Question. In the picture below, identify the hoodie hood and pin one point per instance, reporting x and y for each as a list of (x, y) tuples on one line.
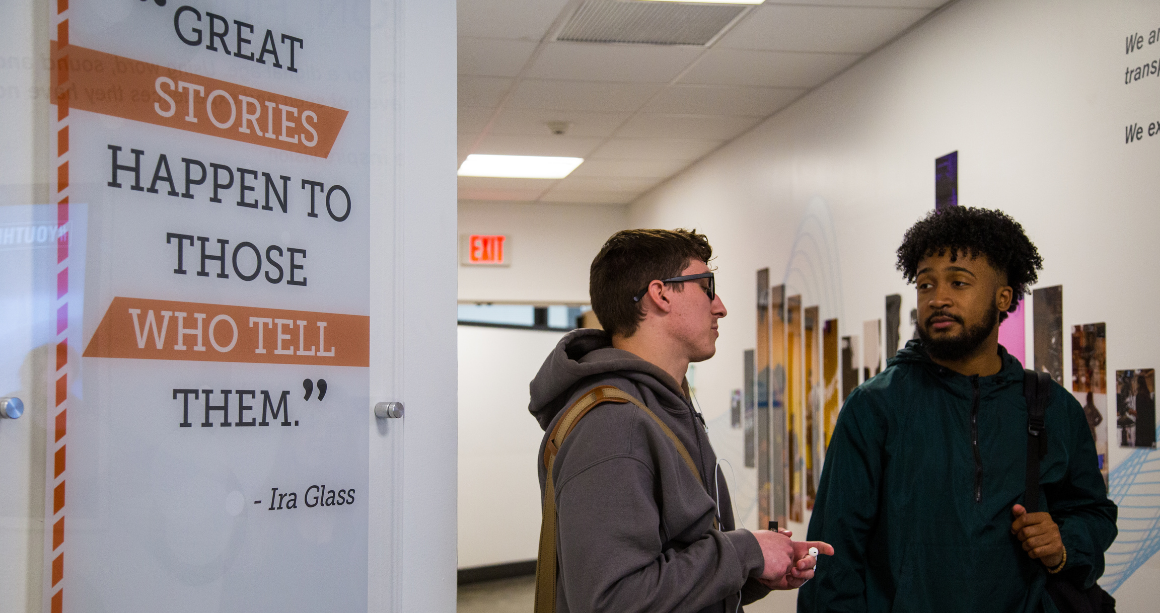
[(579, 357)]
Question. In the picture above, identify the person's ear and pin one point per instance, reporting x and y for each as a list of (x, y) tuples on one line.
[(659, 297), (1003, 297)]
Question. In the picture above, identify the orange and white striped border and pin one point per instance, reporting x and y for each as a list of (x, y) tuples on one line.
[(57, 428)]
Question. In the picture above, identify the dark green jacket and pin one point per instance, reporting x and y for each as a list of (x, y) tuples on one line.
[(916, 493)]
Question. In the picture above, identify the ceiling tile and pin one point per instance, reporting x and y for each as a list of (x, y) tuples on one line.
[(589, 197), (581, 95), (720, 100), (653, 169), (472, 120), (620, 63), (488, 188), (702, 127), (515, 19), (605, 184), (533, 122), (767, 68), (568, 146), (482, 91), (655, 149), (493, 57), (820, 28)]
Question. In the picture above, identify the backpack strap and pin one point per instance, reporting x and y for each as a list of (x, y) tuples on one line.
[(546, 562), (1036, 389)]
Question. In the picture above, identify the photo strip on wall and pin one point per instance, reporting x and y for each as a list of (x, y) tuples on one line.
[(1089, 383), (1136, 407)]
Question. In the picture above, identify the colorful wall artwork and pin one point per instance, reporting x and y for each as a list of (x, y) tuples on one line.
[(893, 324), (830, 379), (735, 409), (777, 377), (794, 403), (946, 181), (749, 392), (1013, 333), (872, 349), (1136, 407), (811, 418), (764, 453), (850, 379), (1047, 321), (1089, 383)]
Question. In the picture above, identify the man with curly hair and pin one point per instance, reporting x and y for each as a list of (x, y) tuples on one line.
[(923, 486)]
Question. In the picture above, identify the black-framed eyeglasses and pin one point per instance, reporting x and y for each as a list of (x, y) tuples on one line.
[(710, 291)]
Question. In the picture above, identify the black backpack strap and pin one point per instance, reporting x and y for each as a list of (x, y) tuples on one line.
[(1036, 388)]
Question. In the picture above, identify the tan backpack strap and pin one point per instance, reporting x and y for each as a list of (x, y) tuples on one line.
[(546, 562)]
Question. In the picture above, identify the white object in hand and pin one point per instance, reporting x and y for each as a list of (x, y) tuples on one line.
[(814, 551)]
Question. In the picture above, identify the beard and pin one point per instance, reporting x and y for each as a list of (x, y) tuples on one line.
[(955, 348)]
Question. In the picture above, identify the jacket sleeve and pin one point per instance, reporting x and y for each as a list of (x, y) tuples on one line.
[(1079, 502), (845, 509), (611, 553)]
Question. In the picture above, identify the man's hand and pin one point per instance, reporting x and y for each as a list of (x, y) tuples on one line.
[(778, 552), (1039, 535), (800, 570)]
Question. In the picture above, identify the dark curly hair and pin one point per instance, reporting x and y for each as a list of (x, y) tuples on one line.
[(972, 232)]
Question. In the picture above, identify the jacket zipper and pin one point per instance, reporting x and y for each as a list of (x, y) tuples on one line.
[(975, 439)]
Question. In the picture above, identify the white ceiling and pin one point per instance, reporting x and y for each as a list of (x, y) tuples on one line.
[(640, 114)]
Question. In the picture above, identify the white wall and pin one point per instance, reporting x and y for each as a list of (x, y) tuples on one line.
[(412, 512), (551, 246), (499, 491), (1032, 96)]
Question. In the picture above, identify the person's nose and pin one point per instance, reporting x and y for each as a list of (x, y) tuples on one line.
[(940, 298), (719, 306)]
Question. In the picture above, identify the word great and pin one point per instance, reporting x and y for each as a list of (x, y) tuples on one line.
[(187, 23), (335, 199), (314, 496)]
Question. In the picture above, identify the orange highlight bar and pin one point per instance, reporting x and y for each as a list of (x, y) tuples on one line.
[(61, 421), (166, 330), (62, 141), (130, 89), (58, 602)]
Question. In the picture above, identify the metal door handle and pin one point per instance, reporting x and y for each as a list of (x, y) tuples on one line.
[(389, 409), (11, 407)]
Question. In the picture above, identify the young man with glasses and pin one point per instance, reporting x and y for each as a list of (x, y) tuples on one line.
[(643, 519)]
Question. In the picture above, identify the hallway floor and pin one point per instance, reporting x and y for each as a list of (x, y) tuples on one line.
[(515, 595), (518, 594)]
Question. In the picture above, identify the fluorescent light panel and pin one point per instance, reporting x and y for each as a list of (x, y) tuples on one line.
[(518, 166), (709, 1)]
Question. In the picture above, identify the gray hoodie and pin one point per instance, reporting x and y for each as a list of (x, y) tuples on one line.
[(635, 529)]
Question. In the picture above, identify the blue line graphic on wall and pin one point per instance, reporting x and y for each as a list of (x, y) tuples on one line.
[(1134, 485)]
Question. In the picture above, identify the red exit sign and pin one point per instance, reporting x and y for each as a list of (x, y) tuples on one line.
[(485, 250)]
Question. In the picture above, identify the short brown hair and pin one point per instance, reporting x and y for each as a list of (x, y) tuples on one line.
[(628, 262)]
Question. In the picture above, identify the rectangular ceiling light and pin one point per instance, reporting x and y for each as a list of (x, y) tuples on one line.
[(518, 166), (709, 1)]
